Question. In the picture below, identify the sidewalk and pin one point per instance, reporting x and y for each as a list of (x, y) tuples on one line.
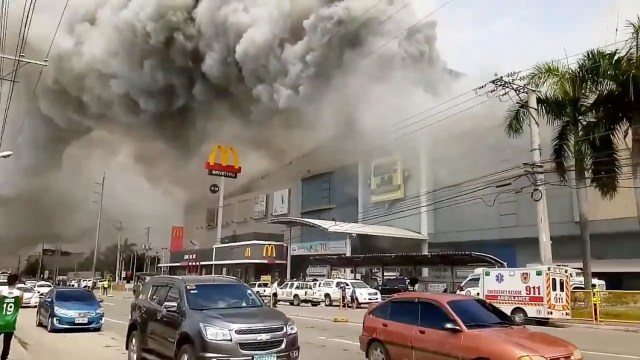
[(586, 324)]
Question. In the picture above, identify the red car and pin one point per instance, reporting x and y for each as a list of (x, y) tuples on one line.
[(420, 326)]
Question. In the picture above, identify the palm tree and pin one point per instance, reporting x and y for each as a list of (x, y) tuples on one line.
[(619, 105), (580, 143)]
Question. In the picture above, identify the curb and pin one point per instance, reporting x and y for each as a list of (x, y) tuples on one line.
[(623, 328)]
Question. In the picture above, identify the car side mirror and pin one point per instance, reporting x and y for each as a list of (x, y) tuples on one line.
[(170, 307), (100, 300), (452, 327)]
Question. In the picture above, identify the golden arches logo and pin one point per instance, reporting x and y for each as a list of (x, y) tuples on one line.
[(247, 252), (177, 232), (269, 251), (227, 166)]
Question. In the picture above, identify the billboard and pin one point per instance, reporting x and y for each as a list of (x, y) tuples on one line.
[(229, 164)]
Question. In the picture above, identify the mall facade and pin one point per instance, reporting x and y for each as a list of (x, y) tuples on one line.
[(338, 200)]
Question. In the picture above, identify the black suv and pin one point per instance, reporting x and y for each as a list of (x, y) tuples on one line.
[(207, 317)]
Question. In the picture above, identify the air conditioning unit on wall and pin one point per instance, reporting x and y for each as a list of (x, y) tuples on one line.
[(387, 180)]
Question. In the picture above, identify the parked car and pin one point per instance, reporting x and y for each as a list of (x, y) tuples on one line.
[(330, 291), (394, 286), (262, 288), (43, 287), (30, 297), (296, 293), (70, 308), (206, 317), (418, 324)]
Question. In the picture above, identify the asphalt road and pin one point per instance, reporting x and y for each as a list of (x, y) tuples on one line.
[(320, 337)]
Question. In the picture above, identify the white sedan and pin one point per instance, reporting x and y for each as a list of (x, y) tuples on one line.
[(30, 296), (43, 287)]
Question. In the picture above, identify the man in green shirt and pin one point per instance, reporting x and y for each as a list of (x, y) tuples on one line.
[(10, 302)]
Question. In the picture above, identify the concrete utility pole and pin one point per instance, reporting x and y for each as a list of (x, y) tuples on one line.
[(119, 228), (147, 248), (40, 262), (539, 194), (95, 250)]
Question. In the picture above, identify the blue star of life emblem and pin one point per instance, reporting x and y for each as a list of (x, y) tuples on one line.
[(499, 278)]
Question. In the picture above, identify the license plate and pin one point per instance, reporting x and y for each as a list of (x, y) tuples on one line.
[(265, 357), (82, 320)]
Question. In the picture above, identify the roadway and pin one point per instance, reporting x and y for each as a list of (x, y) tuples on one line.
[(320, 337)]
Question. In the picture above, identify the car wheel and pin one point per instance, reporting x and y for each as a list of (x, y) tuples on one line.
[(296, 300), (133, 349), (377, 351), (327, 300), (186, 352), (38, 323), (357, 304), (519, 316), (50, 327)]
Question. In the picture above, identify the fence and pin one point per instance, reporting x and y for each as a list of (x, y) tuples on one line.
[(618, 305)]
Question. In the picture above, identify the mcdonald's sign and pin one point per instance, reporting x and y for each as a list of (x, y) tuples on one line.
[(269, 251), (177, 238), (228, 165), (247, 252)]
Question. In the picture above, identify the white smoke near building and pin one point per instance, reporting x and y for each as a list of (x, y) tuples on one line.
[(142, 89)]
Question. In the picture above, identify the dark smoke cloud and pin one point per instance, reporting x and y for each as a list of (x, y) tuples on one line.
[(143, 88)]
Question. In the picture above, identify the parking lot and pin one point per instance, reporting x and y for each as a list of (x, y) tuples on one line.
[(320, 337)]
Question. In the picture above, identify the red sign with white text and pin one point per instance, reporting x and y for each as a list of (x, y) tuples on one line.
[(177, 238)]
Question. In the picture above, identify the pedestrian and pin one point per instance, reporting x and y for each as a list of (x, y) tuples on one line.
[(274, 294), (10, 303), (105, 287), (343, 295), (354, 298)]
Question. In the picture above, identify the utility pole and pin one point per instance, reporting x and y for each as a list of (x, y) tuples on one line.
[(147, 247), (95, 250), (119, 228), (503, 85), (163, 260), (40, 262), (540, 192), (19, 263)]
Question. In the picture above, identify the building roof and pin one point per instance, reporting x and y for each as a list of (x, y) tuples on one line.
[(445, 258), (348, 228)]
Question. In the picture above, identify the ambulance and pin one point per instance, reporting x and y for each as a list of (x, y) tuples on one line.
[(534, 293)]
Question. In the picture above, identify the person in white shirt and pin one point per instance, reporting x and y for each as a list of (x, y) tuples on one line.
[(274, 294)]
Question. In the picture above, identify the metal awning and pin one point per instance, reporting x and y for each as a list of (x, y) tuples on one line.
[(448, 258), (348, 228)]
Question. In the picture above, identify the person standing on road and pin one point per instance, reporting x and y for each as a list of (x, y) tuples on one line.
[(10, 303), (274, 294), (105, 286)]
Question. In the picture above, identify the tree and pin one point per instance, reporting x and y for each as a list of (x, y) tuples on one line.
[(619, 105), (580, 143)]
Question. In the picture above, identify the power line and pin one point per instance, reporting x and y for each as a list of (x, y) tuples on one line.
[(53, 39)]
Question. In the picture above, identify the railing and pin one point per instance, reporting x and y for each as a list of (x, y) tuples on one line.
[(616, 305)]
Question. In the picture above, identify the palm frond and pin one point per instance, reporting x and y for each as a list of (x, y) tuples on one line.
[(561, 149), (601, 141), (516, 118)]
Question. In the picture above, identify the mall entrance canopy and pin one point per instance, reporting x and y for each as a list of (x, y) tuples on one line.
[(348, 228)]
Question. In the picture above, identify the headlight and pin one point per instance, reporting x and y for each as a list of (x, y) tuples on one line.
[(577, 355), (532, 357), (291, 328), (61, 311), (100, 311), (214, 333)]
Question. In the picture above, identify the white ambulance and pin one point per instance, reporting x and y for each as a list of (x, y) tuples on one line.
[(537, 293)]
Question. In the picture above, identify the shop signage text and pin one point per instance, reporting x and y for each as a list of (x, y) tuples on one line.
[(319, 247), (229, 164)]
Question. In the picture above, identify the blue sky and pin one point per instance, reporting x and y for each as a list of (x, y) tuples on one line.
[(504, 35)]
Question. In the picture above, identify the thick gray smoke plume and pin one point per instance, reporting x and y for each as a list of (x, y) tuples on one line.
[(143, 88)]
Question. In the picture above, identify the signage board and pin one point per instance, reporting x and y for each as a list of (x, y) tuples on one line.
[(269, 252), (227, 165), (319, 247), (177, 238)]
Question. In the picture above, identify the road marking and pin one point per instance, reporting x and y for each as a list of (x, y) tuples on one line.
[(322, 320), (339, 340), (609, 354), (117, 321), (106, 303)]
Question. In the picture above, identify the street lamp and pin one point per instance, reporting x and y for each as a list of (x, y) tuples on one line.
[(5, 154)]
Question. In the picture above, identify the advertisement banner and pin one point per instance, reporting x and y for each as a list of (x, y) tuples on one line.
[(319, 248)]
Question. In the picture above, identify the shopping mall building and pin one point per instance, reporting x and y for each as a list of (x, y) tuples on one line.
[(338, 200)]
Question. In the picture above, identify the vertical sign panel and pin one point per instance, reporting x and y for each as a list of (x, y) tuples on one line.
[(177, 238)]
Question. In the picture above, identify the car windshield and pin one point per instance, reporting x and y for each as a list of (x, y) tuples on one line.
[(359, 285), (44, 285), (26, 289), (477, 313), (252, 285), (80, 295), (221, 296)]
